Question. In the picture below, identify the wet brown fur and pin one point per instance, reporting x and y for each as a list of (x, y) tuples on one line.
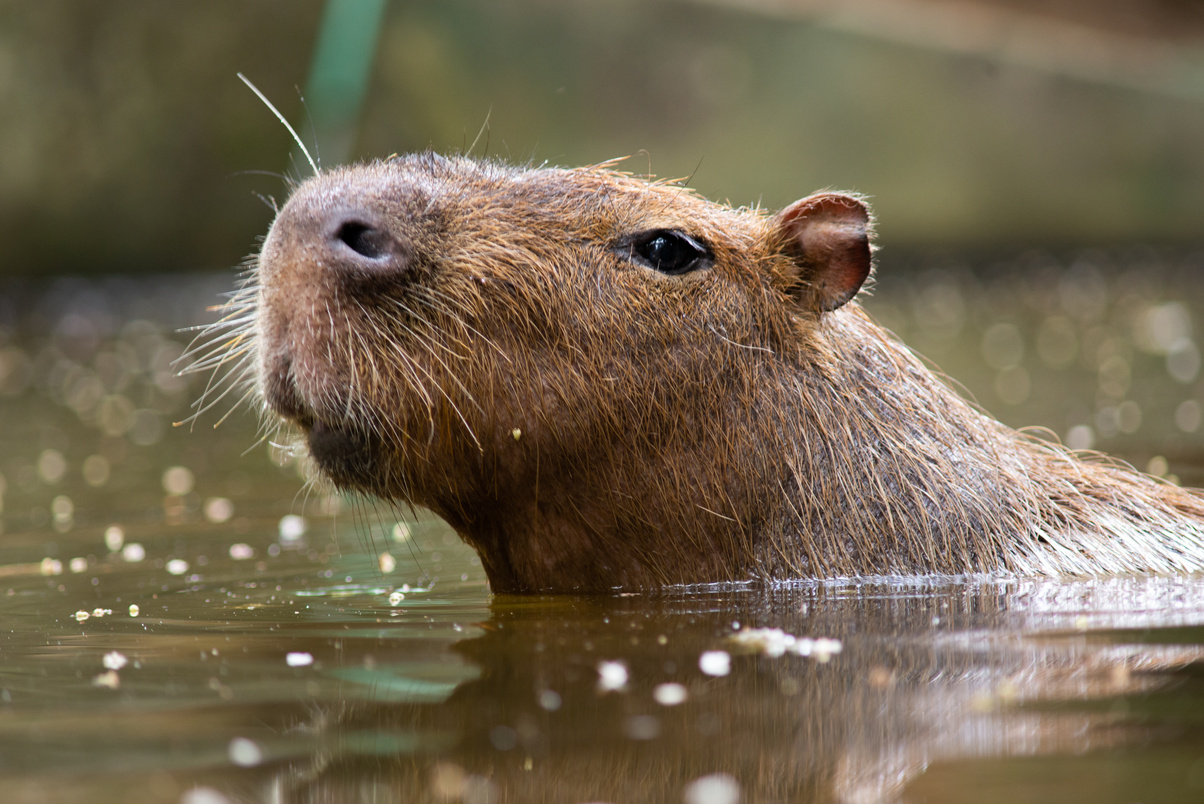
[(717, 425)]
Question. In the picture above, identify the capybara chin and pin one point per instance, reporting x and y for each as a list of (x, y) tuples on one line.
[(603, 382)]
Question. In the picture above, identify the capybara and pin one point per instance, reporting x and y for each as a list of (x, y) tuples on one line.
[(605, 382)]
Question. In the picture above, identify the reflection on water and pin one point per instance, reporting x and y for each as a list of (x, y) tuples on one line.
[(186, 620)]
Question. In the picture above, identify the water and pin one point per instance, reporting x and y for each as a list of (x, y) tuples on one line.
[(185, 619)]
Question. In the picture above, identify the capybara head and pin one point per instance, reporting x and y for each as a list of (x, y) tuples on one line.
[(536, 355)]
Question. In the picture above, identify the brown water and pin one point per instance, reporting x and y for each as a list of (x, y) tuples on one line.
[(185, 620)]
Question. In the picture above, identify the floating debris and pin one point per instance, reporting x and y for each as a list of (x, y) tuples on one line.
[(96, 470), (133, 609), (108, 679), (775, 642), (178, 480), (241, 551), (244, 753), (51, 466), (133, 552), (218, 510), (299, 659), (641, 727), (549, 700), (670, 694), (177, 566), (386, 562), (114, 538), (292, 527), (113, 660), (715, 663), (612, 676), (203, 795), (718, 788)]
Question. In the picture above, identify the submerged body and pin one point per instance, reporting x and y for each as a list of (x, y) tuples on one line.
[(604, 382)]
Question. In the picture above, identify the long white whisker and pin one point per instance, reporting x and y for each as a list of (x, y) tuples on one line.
[(281, 118)]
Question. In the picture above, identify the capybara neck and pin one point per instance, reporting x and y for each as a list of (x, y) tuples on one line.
[(605, 382)]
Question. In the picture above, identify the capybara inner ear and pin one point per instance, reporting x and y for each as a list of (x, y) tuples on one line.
[(828, 237)]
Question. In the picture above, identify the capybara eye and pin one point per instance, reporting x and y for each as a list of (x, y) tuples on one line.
[(669, 252)]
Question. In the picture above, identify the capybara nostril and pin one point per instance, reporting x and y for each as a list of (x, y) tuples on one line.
[(359, 248), (363, 239)]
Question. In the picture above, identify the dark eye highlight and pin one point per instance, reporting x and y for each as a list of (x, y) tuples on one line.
[(668, 251)]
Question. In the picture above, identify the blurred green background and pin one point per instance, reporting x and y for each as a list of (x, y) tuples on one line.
[(130, 146)]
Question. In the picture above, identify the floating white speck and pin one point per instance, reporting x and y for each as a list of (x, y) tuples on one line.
[(669, 694), (387, 562), (775, 642), (133, 609), (109, 679), (218, 510), (133, 552), (549, 700), (401, 532), (114, 538), (241, 552), (772, 642), (825, 649), (516, 433), (52, 466), (203, 795), (177, 566), (101, 612), (395, 598), (612, 676), (299, 659), (718, 788), (82, 615), (178, 480), (78, 564), (715, 663), (292, 527), (114, 660), (244, 753), (51, 566)]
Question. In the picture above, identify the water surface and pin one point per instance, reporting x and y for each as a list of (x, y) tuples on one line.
[(186, 619)]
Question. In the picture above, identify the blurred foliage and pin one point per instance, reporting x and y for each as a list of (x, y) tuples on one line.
[(129, 144)]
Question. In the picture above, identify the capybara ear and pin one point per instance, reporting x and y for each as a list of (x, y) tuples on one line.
[(827, 235)]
